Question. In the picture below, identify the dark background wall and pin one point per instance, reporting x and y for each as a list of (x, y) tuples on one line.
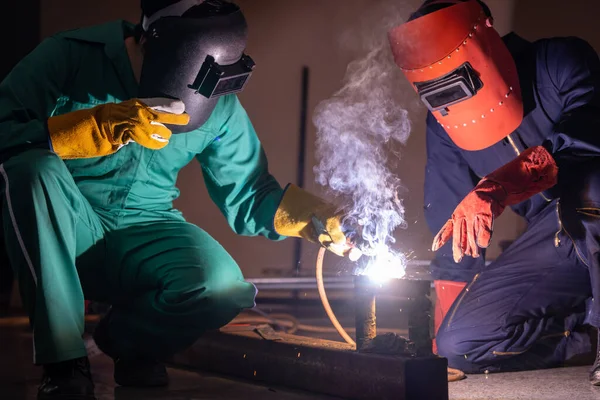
[(20, 31)]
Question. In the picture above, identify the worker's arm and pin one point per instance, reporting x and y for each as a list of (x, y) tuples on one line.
[(448, 178), (28, 95), (236, 172), (238, 181)]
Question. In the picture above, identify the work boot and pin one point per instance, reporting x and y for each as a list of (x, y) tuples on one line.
[(136, 371), (595, 372), (140, 372), (67, 380)]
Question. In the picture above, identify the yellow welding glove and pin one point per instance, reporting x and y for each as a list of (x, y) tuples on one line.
[(104, 129), (301, 214)]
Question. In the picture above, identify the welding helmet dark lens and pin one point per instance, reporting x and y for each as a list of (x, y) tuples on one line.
[(459, 85), (216, 80), (232, 84)]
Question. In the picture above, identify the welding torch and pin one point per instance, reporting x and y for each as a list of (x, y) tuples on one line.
[(349, 248)]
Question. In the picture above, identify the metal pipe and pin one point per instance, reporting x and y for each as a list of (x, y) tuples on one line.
[(300, 173), (419, 320), (365, 293)]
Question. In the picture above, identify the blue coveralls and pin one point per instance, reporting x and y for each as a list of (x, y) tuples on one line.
[(526, 309)]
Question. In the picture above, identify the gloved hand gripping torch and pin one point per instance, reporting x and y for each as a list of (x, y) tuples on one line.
[(302, 214)]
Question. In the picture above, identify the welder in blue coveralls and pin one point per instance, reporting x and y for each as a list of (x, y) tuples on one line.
[(510, 124), (95, 125)]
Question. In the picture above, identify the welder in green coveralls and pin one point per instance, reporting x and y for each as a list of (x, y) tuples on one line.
[(95, 125)]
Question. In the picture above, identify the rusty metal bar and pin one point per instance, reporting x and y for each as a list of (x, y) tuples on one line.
[(365, 293), (318, 366)]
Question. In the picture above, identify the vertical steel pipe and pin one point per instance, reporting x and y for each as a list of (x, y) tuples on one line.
[(365, 317)]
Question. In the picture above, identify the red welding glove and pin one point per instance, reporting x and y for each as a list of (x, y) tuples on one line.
[(473, 219)]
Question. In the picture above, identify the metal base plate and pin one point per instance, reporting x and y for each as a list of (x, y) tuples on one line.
[(315, 365)]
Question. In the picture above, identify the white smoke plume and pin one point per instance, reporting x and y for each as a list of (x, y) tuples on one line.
[(356, 130)]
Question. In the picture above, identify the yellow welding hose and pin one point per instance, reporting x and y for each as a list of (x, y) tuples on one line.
[(321, 287), (453, 374)]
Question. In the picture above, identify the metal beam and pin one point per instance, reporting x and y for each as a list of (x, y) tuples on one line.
[(315, 365), (399, 287)]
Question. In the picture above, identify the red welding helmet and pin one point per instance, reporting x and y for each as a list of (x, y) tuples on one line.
[(463, 72)]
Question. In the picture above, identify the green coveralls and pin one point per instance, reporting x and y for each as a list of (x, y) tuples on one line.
[(105, 228)]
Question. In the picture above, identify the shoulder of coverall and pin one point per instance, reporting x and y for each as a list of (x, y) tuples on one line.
[(558, 55), (110, 34), (566, 59)]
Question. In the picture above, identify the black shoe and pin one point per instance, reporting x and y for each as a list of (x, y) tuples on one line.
[(67, 380), (135, 372), (140, 372), (595, 372)]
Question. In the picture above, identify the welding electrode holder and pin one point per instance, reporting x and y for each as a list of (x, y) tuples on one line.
[(356, 240), (319, 227)]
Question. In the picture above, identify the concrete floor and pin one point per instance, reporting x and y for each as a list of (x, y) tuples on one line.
[(19, 379), (556, 384)]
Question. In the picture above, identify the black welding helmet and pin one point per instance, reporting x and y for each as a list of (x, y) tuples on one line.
[(194, 52)]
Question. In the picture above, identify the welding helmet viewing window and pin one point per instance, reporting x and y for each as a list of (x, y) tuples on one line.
[(462, 70), (194, 51)]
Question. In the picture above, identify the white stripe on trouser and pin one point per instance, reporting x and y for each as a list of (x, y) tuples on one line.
[(19, 237)]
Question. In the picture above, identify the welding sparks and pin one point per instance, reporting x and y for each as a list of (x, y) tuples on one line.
[(385, 264)]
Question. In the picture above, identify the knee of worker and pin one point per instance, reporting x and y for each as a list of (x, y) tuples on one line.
[(456, 345), (226, 302), (463, 351), (32, 167), (471, 348), (208, 302)]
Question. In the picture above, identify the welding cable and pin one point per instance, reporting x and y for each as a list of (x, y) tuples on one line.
[(455, 375), (321, 287), (289, 324)]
